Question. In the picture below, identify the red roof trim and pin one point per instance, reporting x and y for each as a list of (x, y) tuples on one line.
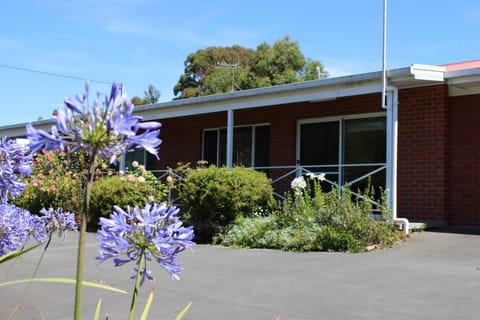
[(462, 65)]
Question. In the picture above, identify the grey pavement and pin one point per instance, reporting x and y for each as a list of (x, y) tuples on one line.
[(433, 275)]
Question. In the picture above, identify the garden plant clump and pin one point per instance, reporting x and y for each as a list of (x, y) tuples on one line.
[(124, 189), (312, 220), (55, 182), (213, 197)]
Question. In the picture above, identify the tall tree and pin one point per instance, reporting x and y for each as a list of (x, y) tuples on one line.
[(205, 71), (278, 64), (152, 95), (223, 69), (312, 70), (136, 100)]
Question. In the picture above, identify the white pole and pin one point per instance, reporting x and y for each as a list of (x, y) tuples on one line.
[(384, 54), (389, 174), (230, 138)]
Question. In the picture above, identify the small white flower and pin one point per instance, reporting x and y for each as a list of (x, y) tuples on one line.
[(313, 176), (298, 183)]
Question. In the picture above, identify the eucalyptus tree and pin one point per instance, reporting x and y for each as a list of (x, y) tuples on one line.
[(217, 70)]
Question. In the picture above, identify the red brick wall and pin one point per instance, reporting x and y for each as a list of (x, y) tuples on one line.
[(422, 151), (464, 160), (182, 137)]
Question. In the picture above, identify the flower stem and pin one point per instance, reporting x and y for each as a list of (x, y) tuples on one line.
[(137, 285), (81, 239), (34, 274)]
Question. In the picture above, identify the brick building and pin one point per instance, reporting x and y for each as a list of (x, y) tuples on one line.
[(422, 146)]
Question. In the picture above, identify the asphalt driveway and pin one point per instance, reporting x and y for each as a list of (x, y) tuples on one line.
[(434, 275)]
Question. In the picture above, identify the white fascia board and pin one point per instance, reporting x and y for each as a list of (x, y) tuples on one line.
[(271, 99), (463, 82), (310, 91), (427, 72), (417, 72), (20, 130), (462, 73), (463, 76)]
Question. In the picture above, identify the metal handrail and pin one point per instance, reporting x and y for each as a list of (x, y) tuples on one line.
[(299, 170)]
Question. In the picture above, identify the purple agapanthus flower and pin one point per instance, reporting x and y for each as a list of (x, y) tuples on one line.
[(154, 231), (17, 226), (106, 128), (58, 220), (14, 163)]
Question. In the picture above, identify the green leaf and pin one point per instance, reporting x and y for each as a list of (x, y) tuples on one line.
[(14, 254), (97, 311), (67, 281), (184, 311), (147, 306)]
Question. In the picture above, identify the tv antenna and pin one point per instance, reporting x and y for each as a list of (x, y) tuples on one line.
[(233, 66)]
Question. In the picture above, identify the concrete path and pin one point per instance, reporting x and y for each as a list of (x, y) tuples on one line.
[(434, 275)]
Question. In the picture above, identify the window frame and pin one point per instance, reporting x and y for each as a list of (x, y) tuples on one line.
[(341, 119), (218, 147)]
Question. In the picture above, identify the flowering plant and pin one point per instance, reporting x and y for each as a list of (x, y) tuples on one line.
[(137, 234), (106, 130), (55, 182), (14, 163), (134, 188), (298, 184), (16, 224)]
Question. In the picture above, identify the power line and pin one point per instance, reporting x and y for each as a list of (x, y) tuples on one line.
[(51, 74)]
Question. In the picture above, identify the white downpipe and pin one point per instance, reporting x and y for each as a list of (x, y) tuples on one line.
[(230, 138), (392, 148)]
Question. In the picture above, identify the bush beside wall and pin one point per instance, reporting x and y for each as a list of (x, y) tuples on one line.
[(213, 197)]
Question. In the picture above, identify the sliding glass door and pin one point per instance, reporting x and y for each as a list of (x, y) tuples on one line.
[(348, 150)]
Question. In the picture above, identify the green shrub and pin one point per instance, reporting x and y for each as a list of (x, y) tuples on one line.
[(130, 189), (213, 197), (311, 220), (55, 182)]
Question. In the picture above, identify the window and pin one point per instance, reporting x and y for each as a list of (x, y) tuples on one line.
[(364, 143), (142, 157), (250, 146), (345, 148)]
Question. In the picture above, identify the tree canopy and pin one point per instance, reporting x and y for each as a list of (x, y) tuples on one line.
[(151, 96), (217, 70)]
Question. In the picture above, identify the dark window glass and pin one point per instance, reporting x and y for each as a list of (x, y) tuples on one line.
[(242, 146), (222, 148), (136, 155), (215, 146), (210, 146), (319, 143), (151, 162), (364, 142), (262, 146)]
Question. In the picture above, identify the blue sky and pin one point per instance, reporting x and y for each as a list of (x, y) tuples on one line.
[(146, 42)]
